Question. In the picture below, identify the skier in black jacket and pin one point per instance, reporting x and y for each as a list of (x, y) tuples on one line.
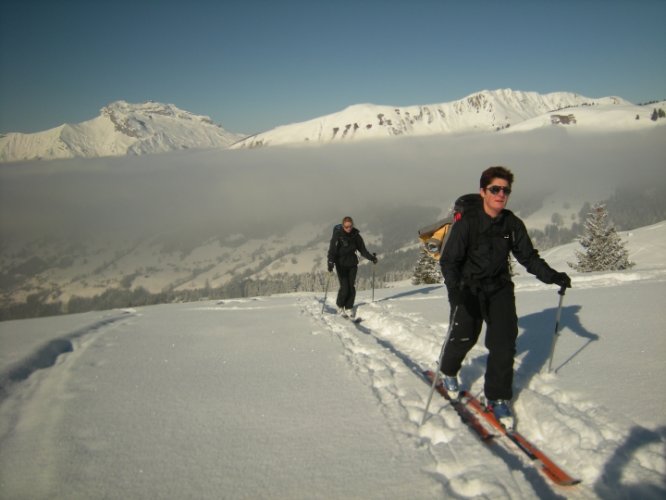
[(346, 241), (475, 266)]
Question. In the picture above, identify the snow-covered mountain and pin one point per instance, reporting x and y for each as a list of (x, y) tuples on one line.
[(120, 129), (486, 111), (135, 129)]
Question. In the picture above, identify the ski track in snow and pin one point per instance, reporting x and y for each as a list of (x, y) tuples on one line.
[(388, 349), (44, 374), (402, 397), (47, 355)]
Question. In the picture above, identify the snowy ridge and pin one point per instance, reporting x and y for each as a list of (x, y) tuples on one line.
[(485, 111), (134, 129), (120, 129), (616, 116)]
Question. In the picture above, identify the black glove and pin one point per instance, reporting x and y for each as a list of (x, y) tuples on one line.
[(562, 280), (374, 259), (330, 267)]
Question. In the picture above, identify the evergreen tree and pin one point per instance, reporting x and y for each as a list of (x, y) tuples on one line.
[(603, 248), (426, 271)]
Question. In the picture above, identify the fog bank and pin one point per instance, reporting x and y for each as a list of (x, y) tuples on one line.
[(202, 194)]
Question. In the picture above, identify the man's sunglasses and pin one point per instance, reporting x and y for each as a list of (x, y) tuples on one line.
[(497, 189)]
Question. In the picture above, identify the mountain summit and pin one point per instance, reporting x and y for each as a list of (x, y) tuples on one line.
[(120, 129), (483, 111)]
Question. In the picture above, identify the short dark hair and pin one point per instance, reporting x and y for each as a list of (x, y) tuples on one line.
[(347, 219), (495, 172)]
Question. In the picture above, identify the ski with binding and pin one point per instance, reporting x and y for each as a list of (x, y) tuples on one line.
[(547, 466), (465, 414), (471, 409)]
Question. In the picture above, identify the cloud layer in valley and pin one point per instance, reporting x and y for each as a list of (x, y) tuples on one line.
[(213, 193)]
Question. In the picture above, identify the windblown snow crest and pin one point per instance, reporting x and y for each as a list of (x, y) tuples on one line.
[(47, 355)]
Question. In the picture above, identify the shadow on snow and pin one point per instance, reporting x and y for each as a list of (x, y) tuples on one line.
[(538, 336)]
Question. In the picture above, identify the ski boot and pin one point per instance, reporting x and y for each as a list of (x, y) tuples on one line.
[(451, 386), (502, 412)]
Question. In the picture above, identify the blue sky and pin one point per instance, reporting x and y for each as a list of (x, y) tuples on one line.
[(252, 65)]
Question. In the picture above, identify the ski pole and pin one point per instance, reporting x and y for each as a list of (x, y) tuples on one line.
[(373, 277), (561, 292), (323, 304), (439, 363)]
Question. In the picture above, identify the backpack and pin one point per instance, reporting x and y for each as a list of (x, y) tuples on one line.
[(433, 237)]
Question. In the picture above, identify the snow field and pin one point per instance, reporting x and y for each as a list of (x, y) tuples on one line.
[(267, 397)]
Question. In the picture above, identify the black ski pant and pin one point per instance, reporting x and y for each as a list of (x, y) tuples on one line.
[(498, 309), (347, 290)]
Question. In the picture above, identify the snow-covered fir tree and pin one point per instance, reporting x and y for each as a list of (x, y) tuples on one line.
[(603, 248), (426, 271)]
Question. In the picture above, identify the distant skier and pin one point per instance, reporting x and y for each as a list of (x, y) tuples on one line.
[(345, 242), (475, 265)]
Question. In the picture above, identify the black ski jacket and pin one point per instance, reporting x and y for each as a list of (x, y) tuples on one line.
[(343, 247), (480, 262)]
